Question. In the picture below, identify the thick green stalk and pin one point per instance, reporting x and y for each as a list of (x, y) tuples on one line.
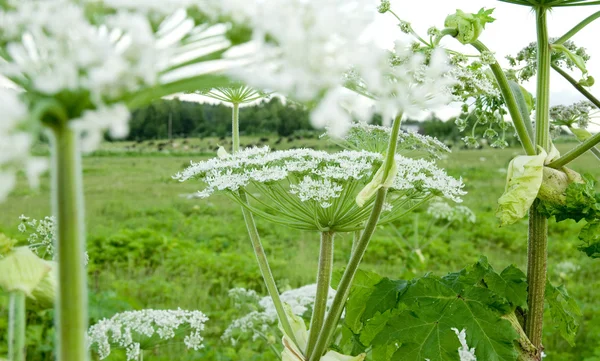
[(511, 102), (16, 326), (343, 290), (569, 34), (71, 306), (323, 284), (542, 123), (576, 152), (259, 250), (537, 255), (537, 249), (235, 127)]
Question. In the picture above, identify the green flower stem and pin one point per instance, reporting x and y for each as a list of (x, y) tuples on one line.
[(323, 284), (511, 102), (259, 250), (343, 290), (265, 270), (235, 127), (577, 86), (585, 22), (72, 300), (16, 326), (576, 152), (355, 239), (537, 256), (537, 242)]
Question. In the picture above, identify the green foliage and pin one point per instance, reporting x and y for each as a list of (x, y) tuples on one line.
[(564, 312), (582, 203), (469, 26), (413, 320)]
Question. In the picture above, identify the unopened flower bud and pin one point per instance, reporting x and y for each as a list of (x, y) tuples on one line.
[(384, 7), (468, 26)]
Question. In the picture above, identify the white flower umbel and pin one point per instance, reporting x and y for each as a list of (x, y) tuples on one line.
[(451, 213), (261, 322), (315, 190), (129, 330), (87, 65), (464, 352), (375, 138)]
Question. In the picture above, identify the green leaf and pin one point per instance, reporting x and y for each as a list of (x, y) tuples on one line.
[(383, 297), (524, 178), (434, 307), (590, 235), (576, 59), (510, 284), (564, 312), (362, 288)]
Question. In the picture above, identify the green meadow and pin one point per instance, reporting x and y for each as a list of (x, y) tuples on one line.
[(151, 246)]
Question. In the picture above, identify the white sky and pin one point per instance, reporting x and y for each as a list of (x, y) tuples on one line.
[(513, 29)]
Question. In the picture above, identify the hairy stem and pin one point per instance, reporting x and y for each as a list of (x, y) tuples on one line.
[(68, 204), (259, 251), (537, 243), (343, 290), (577, 86), (537, 255), (323, 284), (16, 326), (585, 22), (235, 127), (511, 102)]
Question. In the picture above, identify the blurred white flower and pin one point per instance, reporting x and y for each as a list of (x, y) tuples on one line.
[(464, 352), (262, 322), (452, 213), (15, 142), (125, 330)]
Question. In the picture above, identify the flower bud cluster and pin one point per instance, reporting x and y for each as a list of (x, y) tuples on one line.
[(452, 213), (126, 329)]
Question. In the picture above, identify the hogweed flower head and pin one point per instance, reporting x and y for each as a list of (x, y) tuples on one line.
[(452, 213), (569, 115), (131, 330), (375, 138), (315, 190), (464, 352)]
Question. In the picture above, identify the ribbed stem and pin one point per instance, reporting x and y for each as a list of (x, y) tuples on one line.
[(16, 326), (343, 290), (537, 255), (323, 284), (68, 202), (235, 127), (259, 251), (537, 249), (542, 124)]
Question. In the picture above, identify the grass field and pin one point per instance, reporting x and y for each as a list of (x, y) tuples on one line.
[(151, 247)]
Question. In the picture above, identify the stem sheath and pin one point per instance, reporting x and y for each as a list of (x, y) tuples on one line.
[(16, 326), (323, 284), (68, 206)]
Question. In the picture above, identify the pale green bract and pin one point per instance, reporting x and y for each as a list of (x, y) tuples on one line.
[(292, 351), (523, 182)]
